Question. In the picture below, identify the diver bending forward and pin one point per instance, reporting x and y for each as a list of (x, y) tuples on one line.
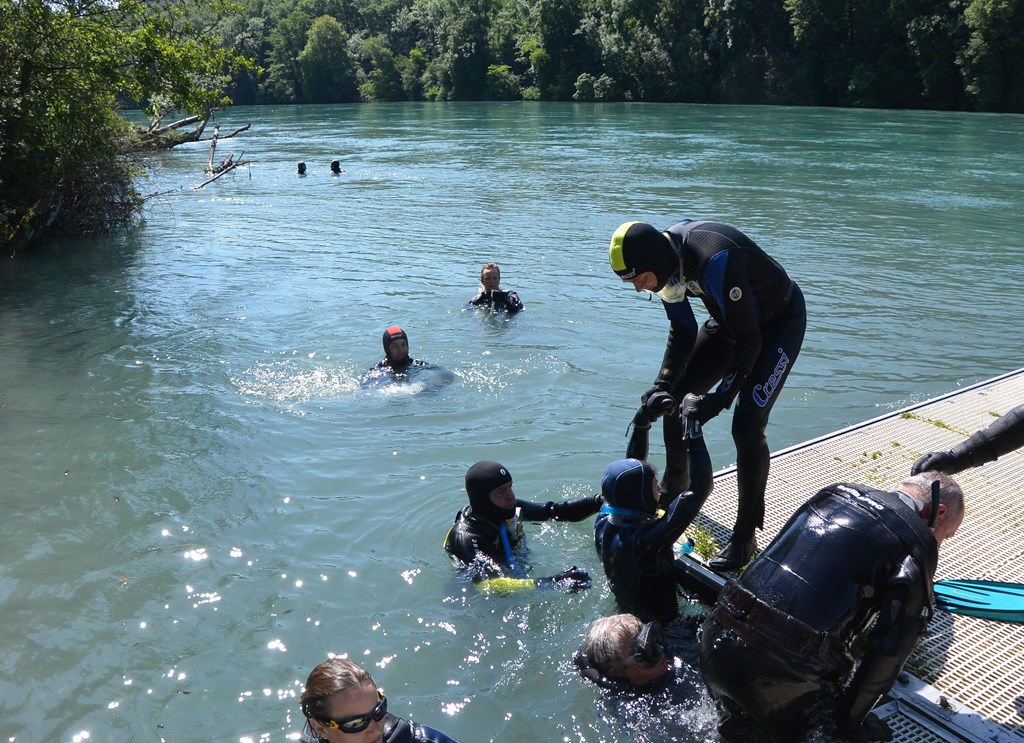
[(853, 563)]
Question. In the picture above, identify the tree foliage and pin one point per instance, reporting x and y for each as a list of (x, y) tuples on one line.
[(64, 67)]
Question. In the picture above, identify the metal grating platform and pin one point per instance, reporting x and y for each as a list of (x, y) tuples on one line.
[(978, 665)]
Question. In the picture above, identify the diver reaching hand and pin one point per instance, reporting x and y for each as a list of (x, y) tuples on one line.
[(1004, 435), (486, 532), (634, 543)]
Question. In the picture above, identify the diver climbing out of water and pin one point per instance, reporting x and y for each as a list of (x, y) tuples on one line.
[(634, 544), (484, 537), (853, 564), (1004, 435), (748, 346)]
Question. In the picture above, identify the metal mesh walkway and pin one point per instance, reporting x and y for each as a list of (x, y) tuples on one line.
[(976, 663)]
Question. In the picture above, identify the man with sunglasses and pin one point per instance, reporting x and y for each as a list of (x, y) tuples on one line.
[(621, 652), (342, 704), (852, 565)]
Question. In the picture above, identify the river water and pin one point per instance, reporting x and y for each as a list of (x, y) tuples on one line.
[(199, 503)]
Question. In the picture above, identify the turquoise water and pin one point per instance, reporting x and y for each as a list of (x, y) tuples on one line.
[(200, 503)]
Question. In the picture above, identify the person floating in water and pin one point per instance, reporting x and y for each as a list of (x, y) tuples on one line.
[(485, 533), (398, 366), (341, 702), (621, 652), (491, 295), (336, 167), (300, 169)]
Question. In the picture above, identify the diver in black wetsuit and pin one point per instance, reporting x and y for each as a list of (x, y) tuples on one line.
[(635, 546), (341, 703), (491, 295), (397, 364), (776, 650), (1004, 435), (482, 542), (748, 346)]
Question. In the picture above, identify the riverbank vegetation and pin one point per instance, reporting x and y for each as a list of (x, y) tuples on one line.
[(67, 65), (954, 55)]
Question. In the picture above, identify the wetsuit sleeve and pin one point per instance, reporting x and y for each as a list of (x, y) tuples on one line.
[(684, 509), (987, 445), (570, 510), (682, 334), (477, 565), (902, 618)]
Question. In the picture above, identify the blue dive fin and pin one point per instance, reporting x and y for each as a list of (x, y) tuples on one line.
[(988, 599)]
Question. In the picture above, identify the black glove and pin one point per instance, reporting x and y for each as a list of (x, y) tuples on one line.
[(657, 402), (576, 510), (569, 580), (499, 297), (689, 408), (873, 728), (706, 407), (943, 461)]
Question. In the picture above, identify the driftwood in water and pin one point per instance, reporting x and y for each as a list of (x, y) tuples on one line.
[(158, 137), (226, 166)]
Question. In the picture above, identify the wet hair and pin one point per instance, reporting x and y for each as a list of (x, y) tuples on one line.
[(603, 643), (326, 680), (489, 266), (950, 494)]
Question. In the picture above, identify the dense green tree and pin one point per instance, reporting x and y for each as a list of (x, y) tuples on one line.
[(383, 75), (934, 33), (286, 40), (456, 44), (502, 83), (64, 64), (413, 70), (751, 44), (993, 59), (327, 70)]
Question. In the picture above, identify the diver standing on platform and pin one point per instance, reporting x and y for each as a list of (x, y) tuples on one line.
[(748, 346)]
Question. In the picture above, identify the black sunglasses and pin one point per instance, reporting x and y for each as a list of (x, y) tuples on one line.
[(358, 723)]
